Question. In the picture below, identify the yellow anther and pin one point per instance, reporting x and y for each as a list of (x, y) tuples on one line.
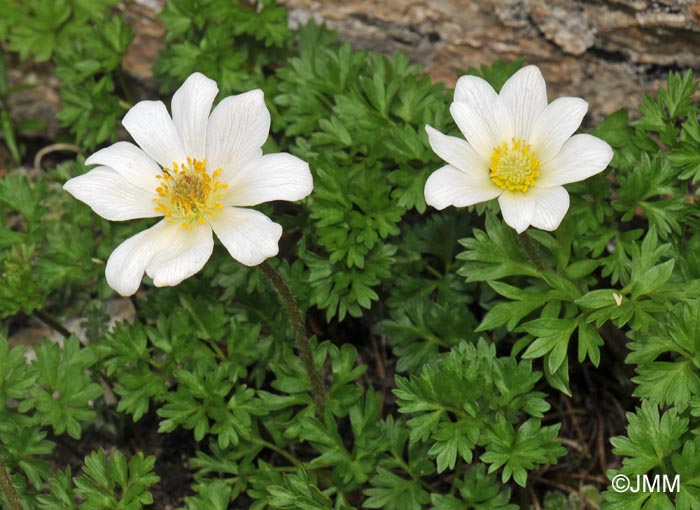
[(188, 193), (514, 166)]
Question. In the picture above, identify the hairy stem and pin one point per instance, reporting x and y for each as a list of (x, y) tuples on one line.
[(52, 323), (533, 253), (289, 302), (8, 489)]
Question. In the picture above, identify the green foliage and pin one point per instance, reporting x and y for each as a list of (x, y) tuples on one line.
[(298, 491), (181, 344), (113, 483), (672, 104), (657, 444), (55, 390), (498, 72), (38, 257), (116, 483), (650, 438), (419, 329), (87, 44), (477, 490), (38, 28), (92, 82), (668, 358), (621, 266), (9, 129), (22, 443), (201, 33), (393, 492), (522, 450), (428, 304), (470, 398), (368, 150), (63, 394), (213, 496), (444, 338)]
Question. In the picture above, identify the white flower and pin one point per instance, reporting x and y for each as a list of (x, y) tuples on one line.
[(197, 171), (518, 148)]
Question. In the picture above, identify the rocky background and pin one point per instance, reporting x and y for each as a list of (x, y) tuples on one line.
[(608, 52)]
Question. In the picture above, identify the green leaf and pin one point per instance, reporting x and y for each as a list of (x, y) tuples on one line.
[(299, 492), (392, 492), (18, 194), (455, 397), (212, 495), (64, 393), (668, 382), (498, 72), (651, 438), (589, 343), (521, 451), (667, 357), (200, 396), (419, 329), (678, 96), (451, 440), (653, 279), (598, 298), (687, 466), (511, 313), (552, 339), (115, 483), (62, 496), (17, 378), (38, 35), (493, 254), (477, 490)]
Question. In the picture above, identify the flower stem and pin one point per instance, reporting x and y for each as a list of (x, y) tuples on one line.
[(289, 302), (52, 323), (8, 489), (533, 253)]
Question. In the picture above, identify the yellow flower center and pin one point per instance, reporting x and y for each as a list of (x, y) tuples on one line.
[(189, 194), (514, 166)]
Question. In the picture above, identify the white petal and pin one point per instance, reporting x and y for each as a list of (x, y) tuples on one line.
[(581, 157), (555, 126), (248, 235), (167, 252), (238, 128), (455, 151), (185, 254), (191, 107), (540, 207), (450, 186), (130, 162), (485, 123), (153, 129), (551, 205), (270, 177), (525, 97), (111, 196), (517, 209), (472, 89), (128, 262)]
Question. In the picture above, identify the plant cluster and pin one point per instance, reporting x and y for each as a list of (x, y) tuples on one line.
[(444, 339)]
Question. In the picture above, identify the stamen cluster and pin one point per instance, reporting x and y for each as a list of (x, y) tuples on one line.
[(189, 194), (514, 166)]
